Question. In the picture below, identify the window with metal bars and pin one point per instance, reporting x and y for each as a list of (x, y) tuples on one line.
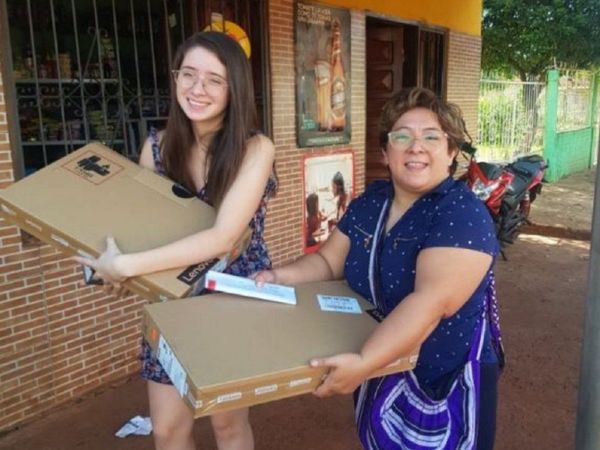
[(98, 70)]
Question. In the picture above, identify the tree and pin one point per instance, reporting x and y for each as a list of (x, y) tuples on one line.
[(527, 37)]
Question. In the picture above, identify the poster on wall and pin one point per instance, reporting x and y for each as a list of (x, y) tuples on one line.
[(328, 189), (322, 53)]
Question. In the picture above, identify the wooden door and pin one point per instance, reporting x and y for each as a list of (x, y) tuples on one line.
[(384, 61)]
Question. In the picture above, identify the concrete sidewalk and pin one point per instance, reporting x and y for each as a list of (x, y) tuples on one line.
[(542, 336)]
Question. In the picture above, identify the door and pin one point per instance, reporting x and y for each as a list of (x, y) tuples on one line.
[(385, 58), (398, 55)]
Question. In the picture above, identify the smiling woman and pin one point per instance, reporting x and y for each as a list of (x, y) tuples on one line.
[(401, 244), (417, 154), (228, 164)]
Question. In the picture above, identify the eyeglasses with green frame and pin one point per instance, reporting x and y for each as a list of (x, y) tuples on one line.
[(211, 83), (403, 139)]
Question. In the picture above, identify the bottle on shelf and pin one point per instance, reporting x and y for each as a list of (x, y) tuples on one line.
[(338, 79), (28, 61)]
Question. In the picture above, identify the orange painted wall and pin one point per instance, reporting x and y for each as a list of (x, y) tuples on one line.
[(458, 15)]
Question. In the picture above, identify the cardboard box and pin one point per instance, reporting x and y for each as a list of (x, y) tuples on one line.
[(75, 202), (224, 352)]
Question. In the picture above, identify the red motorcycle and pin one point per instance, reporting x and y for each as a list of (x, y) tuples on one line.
[(507, 190)]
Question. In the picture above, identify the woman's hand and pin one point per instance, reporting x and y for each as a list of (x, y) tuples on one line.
[(264, 276), (347, 371), (107, 266)]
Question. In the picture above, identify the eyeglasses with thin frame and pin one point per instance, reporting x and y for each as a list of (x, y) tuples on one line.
[(430, 139), (187, 79)]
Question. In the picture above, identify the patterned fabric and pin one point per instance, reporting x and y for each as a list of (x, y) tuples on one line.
[(394, 412), (435, 406), (494, 319), (254, 258), (448, 216)]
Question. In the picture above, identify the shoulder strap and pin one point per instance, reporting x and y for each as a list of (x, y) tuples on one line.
[(374, 256)]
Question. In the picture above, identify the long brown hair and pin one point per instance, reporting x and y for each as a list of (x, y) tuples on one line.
[(228, 147)]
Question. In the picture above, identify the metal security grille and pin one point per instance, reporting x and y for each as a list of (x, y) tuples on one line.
[(511, 119), (90, 70), (98, 70)]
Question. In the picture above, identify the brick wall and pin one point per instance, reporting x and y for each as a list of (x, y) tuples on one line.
[(464, 66), (57, 340), (284, 222), (6, 168)]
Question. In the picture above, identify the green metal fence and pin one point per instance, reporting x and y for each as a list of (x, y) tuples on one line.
[(571, 125), (558, 118)]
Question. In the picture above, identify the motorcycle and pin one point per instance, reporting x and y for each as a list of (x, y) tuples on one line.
[(507, 190)]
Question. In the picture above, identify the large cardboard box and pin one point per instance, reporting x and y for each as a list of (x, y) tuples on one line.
[(75, 202), (224, 351)]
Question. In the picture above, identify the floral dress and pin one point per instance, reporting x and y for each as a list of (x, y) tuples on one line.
[(253, 259)]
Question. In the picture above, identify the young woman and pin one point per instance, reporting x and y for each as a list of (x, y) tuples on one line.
[(211, 146), (420, 247)]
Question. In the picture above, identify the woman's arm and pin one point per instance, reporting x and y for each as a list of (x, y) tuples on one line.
[(146, 156), (237, 209), (445, 279), (325, 264)]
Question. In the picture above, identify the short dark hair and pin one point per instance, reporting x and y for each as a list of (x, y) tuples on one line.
[(448, 114)]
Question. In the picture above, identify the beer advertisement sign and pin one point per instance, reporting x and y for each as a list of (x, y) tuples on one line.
[(322, 52)]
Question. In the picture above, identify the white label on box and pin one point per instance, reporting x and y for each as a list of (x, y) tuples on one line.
[(232, 284), (300, 382), (60, 240), (33, 225), (265, 389), (7, 210), (231, 397), (170, 363), (339, 304), (196, 403)]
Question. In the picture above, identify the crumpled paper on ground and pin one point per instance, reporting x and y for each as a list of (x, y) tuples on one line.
[(137, 425)]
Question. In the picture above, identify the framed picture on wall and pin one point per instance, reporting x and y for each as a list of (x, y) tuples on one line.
[(328, 187), (322, 54)]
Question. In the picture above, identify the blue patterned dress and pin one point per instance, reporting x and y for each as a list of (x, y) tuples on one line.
[(253, 259), (437, 405)]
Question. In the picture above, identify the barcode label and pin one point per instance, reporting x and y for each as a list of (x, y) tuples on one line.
[(339, 304), (172, 366)]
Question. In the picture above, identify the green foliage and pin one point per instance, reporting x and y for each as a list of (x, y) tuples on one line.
[(526, 37), (495, 110), (507, 124)]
